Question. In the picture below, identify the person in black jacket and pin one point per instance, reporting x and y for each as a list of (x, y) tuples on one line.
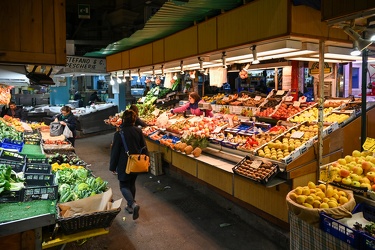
[(14, 111), (138, 121), (94, 98), (66, 118), (135, 142)]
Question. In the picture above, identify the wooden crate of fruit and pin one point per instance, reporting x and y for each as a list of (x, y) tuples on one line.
[(256, 169)]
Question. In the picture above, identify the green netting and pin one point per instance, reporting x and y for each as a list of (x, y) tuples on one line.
[(33, 151), (23, 210)]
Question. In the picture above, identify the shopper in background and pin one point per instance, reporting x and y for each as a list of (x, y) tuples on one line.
[(13, 111), (66, 118), (94, 98), (192, 105), (135, 142), (78, 97), (138, 121)]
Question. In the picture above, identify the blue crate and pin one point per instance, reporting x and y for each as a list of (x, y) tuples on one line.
[(12, 145), (355, 238)]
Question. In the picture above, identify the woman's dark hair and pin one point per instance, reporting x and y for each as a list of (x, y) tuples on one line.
[(134, 108), (129, 117), (66, 109), (195, 96)]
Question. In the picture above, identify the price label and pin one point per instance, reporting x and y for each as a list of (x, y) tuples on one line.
[(289, 98), (217, 130), (231, 122), (296, 104), (369, 144), (156, 112), (257, 98), (256, 164), (302, 99), (297, 135), (280, 92)]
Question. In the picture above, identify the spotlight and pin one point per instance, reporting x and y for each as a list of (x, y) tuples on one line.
[(247, 66), (130, 75), (206, 72), (356, 51), (224, 60), (123, 76), (139, 75), (162, 70), (182, 68), (118, 78), (175, 76), (112, 82), (255, 56), (359, 42), (200, 60)]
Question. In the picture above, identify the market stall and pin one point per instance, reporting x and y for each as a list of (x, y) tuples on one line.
[(44, 183)]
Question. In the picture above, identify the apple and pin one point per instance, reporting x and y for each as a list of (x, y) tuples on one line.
[(346, 180), (341, 161), (373, 187), (366, 185), (356, 184), (357, 169), (344, 173), (364, 179), (348, 158), (366, 166), (337, 178), (355, 177), (370, 175), (335, 164), (356, 153)]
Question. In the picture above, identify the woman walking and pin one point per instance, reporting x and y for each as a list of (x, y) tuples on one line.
[(135, 142)]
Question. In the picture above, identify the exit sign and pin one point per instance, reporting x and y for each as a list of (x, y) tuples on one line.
[(84, 11)]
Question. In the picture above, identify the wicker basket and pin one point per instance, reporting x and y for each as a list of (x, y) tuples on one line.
[(79, 223)]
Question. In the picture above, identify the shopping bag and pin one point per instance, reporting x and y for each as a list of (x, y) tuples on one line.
[(67, 132), (55, 129), (137, 163)]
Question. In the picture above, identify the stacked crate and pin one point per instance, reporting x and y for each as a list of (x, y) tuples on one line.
[(156, 163)]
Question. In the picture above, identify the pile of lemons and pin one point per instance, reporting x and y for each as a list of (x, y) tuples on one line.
[(319, 196)]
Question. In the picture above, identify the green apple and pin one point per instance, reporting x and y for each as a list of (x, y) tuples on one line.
[(356, 184), (346, 181)]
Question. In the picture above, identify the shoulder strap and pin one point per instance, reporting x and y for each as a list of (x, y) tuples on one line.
[(124, 142)]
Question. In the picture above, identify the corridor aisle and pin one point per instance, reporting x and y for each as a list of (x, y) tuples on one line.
[(172, 215)]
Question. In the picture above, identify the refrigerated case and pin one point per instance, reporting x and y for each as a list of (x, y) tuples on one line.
[(31, 99)]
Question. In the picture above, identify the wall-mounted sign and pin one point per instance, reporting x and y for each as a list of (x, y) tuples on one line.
[(84, 64), (83, 11), (314, 69)]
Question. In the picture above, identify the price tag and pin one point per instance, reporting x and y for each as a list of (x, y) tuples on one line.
[(302, 99), (231, 122), (296, 104), (256, 164), (217, 130), (280, 92), (289, 98), (369, 143), (257, 98), (297, 134), (156, 112)]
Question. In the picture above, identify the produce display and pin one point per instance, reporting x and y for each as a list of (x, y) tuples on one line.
[(355, 170), (258, 170), (319, 196), (10, 180), (309, 115)]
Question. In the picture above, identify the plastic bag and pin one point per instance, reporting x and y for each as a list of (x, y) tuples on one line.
[(55, 129), (162, 120), (67, 132)]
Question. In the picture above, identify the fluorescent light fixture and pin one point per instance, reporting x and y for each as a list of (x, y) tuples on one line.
[(311, 59)]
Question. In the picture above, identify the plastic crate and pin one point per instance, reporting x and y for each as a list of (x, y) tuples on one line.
[(40, 193), (355, 238), (44, 168), (12, 144), (11, 196), (156, 163), (339, 230), (12, 156), (16, 166), (36, 160), (39, 179)]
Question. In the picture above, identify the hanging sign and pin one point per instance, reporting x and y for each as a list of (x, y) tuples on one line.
[(85, 64)]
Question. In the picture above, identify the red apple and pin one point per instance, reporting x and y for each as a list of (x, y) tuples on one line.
[(366, 166), (344, 173), (357, 170)]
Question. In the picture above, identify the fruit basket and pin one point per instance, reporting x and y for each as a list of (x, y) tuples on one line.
[(256, 169)]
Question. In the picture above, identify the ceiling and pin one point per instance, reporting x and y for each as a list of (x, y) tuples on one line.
[(120, 25)]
